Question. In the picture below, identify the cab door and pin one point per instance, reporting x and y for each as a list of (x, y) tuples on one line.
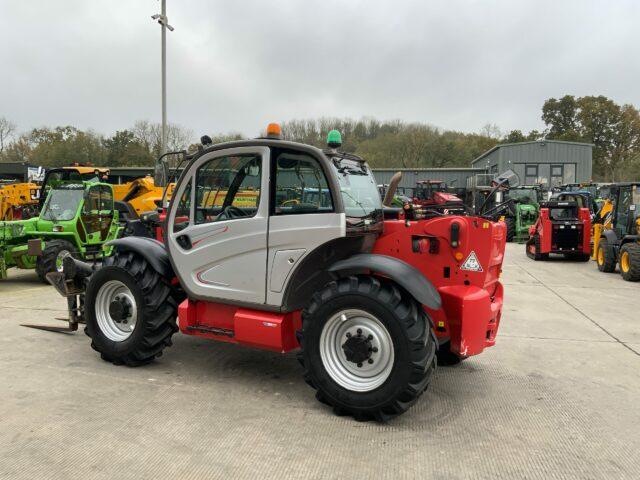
[(303, 216), (217, 226), (97, 213)]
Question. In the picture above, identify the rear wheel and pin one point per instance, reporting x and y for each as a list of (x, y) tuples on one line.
[(52, 256), (367, 348), (605, 257), (129, 310), (630, 262), (511, 228)]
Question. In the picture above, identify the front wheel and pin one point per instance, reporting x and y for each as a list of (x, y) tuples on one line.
[(605, 257), (367, 348), (52, 256), (129, 311), (630, 262)]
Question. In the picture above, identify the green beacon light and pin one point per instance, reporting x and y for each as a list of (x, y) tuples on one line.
[(334, 139)]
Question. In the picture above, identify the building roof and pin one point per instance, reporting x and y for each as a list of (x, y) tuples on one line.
[(500, 145)]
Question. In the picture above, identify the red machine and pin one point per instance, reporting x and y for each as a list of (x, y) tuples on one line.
[(433, 192), (314, 263), (562, 228)]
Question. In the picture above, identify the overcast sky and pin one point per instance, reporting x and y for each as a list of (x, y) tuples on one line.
[(238, 64)]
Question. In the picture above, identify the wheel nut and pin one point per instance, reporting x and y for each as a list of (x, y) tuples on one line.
[(359, 365), (374, 349), (348, 334), (370, 337), (370, 360), (359, 331)]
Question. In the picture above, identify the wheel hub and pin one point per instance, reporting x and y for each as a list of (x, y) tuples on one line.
[(358, 348), (116, 310), (120, 310)]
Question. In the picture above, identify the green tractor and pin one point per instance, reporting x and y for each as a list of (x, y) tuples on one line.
[(524, 213), (76, 219)]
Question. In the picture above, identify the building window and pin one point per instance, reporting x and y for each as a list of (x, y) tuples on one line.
[(569, 174), (531, 174), (557, 175)]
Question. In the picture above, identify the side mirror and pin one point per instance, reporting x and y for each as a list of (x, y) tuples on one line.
[(206, 140)]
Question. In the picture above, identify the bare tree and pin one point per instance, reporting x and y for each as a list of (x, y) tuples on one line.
[(7, 129), (150, 135), (491, 130)]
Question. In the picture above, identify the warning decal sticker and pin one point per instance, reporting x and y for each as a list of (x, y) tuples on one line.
[(472, 263)]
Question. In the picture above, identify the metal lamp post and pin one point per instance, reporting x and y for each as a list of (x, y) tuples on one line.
[(164, 24)]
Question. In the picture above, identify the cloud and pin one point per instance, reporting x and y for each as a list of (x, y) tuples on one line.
[(238, 65)]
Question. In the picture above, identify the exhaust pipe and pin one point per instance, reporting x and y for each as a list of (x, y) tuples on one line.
[(74, 268), (391, 191)]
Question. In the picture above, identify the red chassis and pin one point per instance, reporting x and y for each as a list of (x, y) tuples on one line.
[(441, 249)]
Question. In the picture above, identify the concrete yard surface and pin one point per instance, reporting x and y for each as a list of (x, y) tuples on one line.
[(557, 397)]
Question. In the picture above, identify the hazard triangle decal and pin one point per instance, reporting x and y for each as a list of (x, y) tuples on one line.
[(472, 263)]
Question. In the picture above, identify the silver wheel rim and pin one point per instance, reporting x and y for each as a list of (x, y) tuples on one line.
[(111, 291), (348, 374), (62, 254)]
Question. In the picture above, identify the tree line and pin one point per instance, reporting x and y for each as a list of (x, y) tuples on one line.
[(613, 129)]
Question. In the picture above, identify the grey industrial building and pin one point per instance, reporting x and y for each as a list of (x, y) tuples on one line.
[(546, 162)]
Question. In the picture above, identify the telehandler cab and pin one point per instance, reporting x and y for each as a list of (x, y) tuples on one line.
[(76, 219), (366, 295), (620, 244)]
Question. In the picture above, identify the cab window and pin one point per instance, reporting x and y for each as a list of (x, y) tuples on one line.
[(98, 200), (228, 188), (181, 220), (300, 185)]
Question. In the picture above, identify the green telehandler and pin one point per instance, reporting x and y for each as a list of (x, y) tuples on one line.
[(524, 212), (77, 219)]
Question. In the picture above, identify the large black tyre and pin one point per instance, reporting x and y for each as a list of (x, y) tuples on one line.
[(605, 257), (51, 258), (446, 358), (511, 228), (630, 262), (155, 311), (410, 337)]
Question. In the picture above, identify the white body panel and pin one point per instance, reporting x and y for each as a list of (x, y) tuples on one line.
[(294, 237)]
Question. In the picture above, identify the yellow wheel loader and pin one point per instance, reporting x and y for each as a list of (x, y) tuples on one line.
[(18, 200), (603, 221)]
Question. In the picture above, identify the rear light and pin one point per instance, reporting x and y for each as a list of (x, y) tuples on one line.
[(455, 234)]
